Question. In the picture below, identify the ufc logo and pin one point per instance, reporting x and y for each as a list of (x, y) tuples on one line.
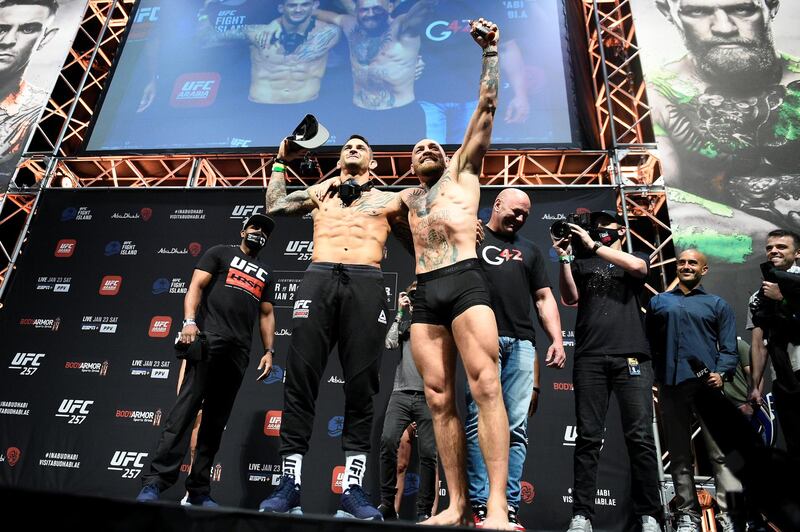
[(128, 459), (245, 211), (296, 246), (302, 304), (191, 86), (570, 435), (249, 268), (149, 14), (74, 406), (27, 359)]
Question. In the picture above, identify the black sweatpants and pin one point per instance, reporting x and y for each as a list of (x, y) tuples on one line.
[(344, 304), (212, 385)]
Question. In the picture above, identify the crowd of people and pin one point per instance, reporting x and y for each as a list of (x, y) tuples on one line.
[(474, 295)]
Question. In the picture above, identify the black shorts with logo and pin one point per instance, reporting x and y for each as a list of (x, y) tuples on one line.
[(443, 294)]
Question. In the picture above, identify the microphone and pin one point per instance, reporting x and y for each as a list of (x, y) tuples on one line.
[(700, 370)]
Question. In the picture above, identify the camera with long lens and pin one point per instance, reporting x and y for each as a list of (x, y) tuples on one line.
[(560, 228)]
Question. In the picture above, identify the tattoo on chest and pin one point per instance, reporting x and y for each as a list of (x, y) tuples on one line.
[(317, 46), (367, 47), (420, 200)]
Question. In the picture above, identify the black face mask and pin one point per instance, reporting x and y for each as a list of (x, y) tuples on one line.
[(350, 190), (604, 236), (255, 241)]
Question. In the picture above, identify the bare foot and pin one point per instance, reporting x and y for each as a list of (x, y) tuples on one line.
[(450, 517)]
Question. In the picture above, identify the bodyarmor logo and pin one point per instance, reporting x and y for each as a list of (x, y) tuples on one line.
[(26, 363)]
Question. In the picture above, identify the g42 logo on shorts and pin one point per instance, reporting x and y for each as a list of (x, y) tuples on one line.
[(130, 463), (496, 256), (75, 410)]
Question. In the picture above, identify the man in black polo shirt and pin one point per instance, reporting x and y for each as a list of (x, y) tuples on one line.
[(232, 288), (611, 353), (515, 272)]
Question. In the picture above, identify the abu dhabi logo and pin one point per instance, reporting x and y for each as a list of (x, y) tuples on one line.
[(335, 426), (144, 214), (277, 374), (193, 249)]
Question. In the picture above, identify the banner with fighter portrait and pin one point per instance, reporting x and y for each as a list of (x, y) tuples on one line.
[(723, 80)]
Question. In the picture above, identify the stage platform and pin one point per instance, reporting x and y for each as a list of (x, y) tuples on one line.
[(26, 510)]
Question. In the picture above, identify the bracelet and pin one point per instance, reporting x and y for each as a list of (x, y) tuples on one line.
[(189, 321), (201, 17), (492, 53), (596, 246), (269, 350), (536, 389), (280, 160), (566, 259), (277, 167)]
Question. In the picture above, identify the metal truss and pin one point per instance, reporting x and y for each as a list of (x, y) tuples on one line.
[(625, 162)]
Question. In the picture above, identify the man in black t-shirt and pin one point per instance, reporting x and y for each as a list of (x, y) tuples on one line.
[(515, 272), (611, 353), (232, 288)]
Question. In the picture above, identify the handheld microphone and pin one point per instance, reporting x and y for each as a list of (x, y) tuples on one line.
[(700, 370)]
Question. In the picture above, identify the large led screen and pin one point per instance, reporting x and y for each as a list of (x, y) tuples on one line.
[(240, 74)]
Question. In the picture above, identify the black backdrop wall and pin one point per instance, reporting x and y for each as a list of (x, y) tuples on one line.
[(88, 370)]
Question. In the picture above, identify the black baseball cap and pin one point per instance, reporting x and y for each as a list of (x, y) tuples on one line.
[(608, 213), (267, 223)]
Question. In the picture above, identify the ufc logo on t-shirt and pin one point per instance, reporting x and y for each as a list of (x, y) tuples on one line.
[(246, 276)]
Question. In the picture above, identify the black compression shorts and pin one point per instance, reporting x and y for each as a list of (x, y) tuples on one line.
[(444, 294)]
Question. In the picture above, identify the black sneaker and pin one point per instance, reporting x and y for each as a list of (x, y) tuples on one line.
[(387, 511)]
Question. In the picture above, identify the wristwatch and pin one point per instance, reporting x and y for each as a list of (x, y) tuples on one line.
[(597, 245), (269, 350)]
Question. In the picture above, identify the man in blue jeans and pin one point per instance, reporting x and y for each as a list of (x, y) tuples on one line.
[(611, 353), (511, 262)]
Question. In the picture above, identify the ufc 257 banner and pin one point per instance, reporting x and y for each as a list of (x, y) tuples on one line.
[(89, 373)]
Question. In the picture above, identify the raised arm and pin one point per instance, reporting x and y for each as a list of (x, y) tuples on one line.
[(479, 130), (277, 201), (412, 21)]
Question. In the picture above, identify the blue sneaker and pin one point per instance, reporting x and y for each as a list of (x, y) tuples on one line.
[(149, 493), (284, 500), (201, 499), (355, 505)]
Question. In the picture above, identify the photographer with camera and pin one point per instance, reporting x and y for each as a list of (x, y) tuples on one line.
[(775, 319), (611, 353), (693, 337)]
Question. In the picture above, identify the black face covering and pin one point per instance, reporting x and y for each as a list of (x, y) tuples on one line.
[(255, 241), (350, 190), (604, 236)]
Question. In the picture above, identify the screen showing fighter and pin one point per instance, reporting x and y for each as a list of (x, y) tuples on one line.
[(231, 74)]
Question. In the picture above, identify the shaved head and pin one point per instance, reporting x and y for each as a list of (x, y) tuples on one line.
[(510, 211), (699, 256)]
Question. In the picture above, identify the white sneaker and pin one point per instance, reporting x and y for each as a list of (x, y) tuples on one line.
[(725, 523), (687, 524), (580, 523), (650, 524)]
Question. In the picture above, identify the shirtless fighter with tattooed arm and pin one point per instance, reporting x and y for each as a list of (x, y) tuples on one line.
[(452, 309), (341, 300)]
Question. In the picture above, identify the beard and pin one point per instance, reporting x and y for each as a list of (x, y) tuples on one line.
[(750, 64), (380, 23)]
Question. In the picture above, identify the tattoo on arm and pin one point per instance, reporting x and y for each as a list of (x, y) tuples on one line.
[(373, 204), (278, 202), (319, 45)]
